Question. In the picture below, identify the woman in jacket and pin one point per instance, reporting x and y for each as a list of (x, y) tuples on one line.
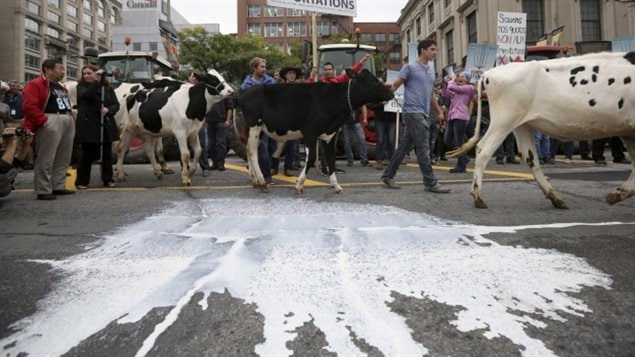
[(461, 93), (89, 125)]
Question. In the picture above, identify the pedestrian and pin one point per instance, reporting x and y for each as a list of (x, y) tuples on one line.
[(418, 81), (96, 107), (291, 147), (47, 113), (461, 94), (13, 98), (10, 160), (218, 120), (259, 76)]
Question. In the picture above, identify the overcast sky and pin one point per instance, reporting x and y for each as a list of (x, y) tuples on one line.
[(223, 12)]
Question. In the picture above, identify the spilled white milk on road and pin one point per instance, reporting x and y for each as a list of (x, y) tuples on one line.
[(334, 262)]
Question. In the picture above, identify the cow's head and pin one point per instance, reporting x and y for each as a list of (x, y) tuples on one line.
[(368, 88), (215, 83)]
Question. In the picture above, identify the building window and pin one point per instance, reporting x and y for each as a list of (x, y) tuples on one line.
[(535, 27), (367, 37), (87, 5), (31, 25), (254, 29), (53, 32), (30, 76), (101, 9), (418, 26), (136, 46), (590, 17), (253, 10), (380, 37), (32, 61), (408, 36), (32, 43), (274, 29), (71, 72), (164, 7), (87, 32), (113, 16), (54, 3), (449, 45), (153, 46), (471, 28), (395, 57), (335, 30), (295, 12), (394, 38), (72, 41), (296, 29), (71, 25), (71, 10), (53, 17), (88, 19), (323, 28), (447, 3), (101, 26), (431, 13), (33, 7), (271, 11)]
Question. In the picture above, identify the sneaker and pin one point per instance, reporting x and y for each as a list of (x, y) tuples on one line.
[(511, 160), (621, 161), (221, 166), (205, 173), (349, 163), (437, 189), (63, 192), (567, 161), (600, 162), (81, 187), (287, 173), (550, 161), (113, 184), (339, 171), (500, 161), (390, 183), (365, 163), (268, 180), (379, 165), (46, 197), (324, 171), (457, 170)]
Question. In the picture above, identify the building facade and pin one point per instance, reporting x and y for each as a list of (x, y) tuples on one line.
[(386, 37), (282, 27), (454, 24), (34, 30)]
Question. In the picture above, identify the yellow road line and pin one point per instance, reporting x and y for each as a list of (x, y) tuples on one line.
[(70, 179), (488, 172), (281, 177)]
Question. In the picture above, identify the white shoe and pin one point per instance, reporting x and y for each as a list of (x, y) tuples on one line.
[(567, 161)]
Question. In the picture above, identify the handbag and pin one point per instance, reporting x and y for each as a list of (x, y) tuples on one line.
[(111, 130)]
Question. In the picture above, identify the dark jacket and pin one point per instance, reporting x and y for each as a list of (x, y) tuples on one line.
[(218, 113), (14, 100), (35, 96), (88, 124)]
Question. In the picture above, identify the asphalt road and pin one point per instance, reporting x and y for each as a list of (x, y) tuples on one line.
[(220, 268)]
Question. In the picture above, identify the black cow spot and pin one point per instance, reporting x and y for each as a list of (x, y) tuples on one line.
[(620, 104), (592, 102), (487, 81), (611, 81), (584, 82), (547, 69), (596, 69), (134, 88), (530, 158), (630, 57), (576, 70), (594, 78), (572, 81), (627, 80), (197, 104)]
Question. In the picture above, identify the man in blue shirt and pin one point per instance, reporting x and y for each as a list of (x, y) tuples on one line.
[(418, 81)]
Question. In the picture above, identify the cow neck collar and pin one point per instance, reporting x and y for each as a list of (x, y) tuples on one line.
[(348, 97)]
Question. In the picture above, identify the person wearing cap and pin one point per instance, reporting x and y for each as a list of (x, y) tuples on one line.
[(291, 148)]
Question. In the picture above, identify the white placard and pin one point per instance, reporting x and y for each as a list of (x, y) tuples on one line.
[(395, 104), (511, 37), (337, 7)]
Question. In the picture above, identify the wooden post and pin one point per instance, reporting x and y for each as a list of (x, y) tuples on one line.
[(314, 42)]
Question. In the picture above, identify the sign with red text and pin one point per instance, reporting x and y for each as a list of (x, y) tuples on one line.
[(511, 37)]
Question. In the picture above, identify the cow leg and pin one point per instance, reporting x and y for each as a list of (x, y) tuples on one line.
[(195, 142), (330, 161), (527, 148), (126, 136), (279, 149), (149, 148), (158, 150), (185, 158), (484, 151), (255, 174), (628, 188), (311, 151)]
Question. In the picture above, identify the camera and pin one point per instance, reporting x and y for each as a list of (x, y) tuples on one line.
[(21, 132)]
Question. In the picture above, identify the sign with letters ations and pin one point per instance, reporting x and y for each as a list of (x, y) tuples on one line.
[(336, 7)]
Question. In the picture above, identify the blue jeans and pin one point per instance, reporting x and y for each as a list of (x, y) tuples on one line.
[(290, 149), (385, 131), (323, 163), (264, 157), (455, 137), (567, 148), (355, 128), (542, 145), (506, 149), (415, 134), (216, 142), (434, 130)]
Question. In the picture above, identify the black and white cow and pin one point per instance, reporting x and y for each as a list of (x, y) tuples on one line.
[(310, 111), (574, 98), (177, 109)]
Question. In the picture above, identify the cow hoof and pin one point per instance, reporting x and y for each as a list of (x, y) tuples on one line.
[(614, 197), (264, 188), (167, 171), (299, 191), (559, 204), (187, 184), (338, 189), (479, 203)]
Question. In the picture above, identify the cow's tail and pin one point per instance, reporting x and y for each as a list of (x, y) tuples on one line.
[(468, 145)]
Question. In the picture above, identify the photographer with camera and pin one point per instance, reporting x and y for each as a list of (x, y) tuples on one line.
[(96, 128), (9, 163)]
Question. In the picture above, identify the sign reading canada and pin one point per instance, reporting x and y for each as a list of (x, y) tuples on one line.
[(141, 4), (337, 7)]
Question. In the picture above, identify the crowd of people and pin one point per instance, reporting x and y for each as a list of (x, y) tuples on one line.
[(39, 130)]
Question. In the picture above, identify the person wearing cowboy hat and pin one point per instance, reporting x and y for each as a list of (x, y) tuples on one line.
[(291, 74)]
